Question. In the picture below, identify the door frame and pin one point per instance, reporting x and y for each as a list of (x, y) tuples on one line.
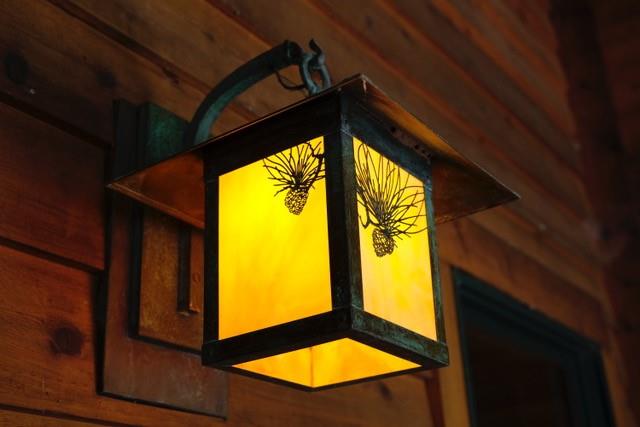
[(580, 358)]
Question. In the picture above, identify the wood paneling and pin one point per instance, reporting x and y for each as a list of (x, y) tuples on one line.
[(34, 419), (165, 33), (400, 401), (51, 190), (448, 86), (537, 201), (439, 28), (47, 358), (91, 70), (54, 369), (137, 370), (153, 29), (484, 74), (600, 96), (538, 73), (465, 245), (452, 384)]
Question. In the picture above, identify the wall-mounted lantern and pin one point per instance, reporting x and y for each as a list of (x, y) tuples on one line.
[(319, 220)]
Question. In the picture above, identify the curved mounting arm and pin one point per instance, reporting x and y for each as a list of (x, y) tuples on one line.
[(262, 66)]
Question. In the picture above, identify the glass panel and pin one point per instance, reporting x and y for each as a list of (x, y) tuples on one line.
[(273, 241), (330, 363), (394, 243)]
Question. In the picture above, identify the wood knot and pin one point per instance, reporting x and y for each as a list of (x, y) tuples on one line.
[(385, 391), (66, 339)]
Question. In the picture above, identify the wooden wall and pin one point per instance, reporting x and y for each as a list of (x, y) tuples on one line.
[(486, 75)]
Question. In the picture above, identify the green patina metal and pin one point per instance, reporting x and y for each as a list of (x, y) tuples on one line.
[(453, 187), (162, 134), (262, 66), (148, 134)]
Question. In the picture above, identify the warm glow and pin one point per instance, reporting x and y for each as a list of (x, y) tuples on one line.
[(397, 286), (273, 265), (330, 363)]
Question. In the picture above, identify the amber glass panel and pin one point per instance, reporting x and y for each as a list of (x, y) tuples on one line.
[(273, 248), (394, 243), (330, 363)]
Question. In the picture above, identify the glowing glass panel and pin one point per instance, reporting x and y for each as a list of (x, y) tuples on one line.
[(273, 248), (330, 363), (394, 243)]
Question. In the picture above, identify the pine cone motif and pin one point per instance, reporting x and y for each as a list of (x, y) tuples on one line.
[(382, 243), (388, 200), (295, 200), (295, 171)]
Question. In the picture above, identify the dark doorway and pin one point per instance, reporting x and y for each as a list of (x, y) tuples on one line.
[(523, 369)]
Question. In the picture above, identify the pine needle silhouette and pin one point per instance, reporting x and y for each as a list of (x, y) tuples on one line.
[(296, 170), (391, 205)]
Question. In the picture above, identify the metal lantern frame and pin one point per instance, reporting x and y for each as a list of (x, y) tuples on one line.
[(337, 116), (183, 182)]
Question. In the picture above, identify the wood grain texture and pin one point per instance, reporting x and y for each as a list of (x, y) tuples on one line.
[(13, 416), (528, 68), (47, 359), (479, 66), (51, 190), (130, 367), (452, 382), (185, 44), (536, 201), (54, 372), (426, 65), (192, 24), (532, 18), (473, 249), (401, 401), (487, 78), (529, 239), (611, 161), (170, 31), (91, 71)]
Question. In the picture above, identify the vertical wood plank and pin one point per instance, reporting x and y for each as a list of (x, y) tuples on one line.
[(452, 383)]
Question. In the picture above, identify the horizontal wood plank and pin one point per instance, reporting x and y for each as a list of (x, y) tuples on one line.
[(529, 70), (467, 246), (168, 31), (47, 362), (539, 244), (31, 418), (427, 66), (91, 71), (158, 26), (426, 18), (487, 78), (185, 44), (400, 401), (51, 190), (537, 202), (532, 18)]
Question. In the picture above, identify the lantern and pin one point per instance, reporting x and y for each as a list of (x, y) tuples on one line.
[(321, 263)]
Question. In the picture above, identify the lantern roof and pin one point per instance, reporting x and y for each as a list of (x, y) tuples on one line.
[(175, 184)]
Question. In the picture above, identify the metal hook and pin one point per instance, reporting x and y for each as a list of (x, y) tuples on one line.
[(270, 62), (311, 63)]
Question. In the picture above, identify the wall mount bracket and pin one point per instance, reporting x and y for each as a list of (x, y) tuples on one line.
[(151, 305)]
